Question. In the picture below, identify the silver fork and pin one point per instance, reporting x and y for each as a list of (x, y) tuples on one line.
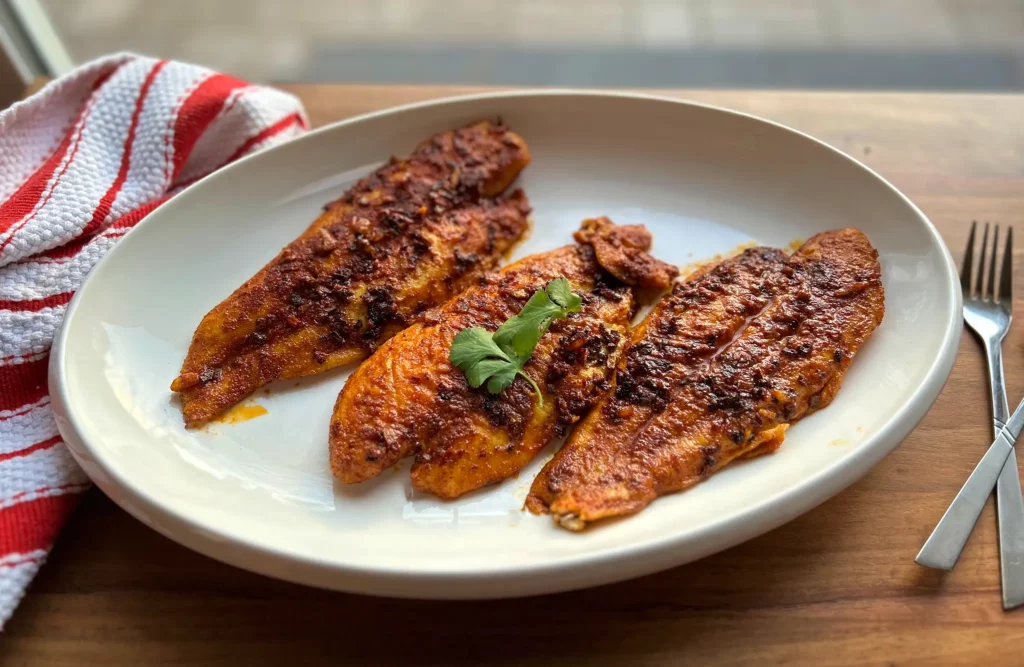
[(988, 313)]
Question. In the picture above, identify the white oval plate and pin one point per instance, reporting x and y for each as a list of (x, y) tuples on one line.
[(259, 494)]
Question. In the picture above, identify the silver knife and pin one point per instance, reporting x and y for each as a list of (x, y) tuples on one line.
[(944, 545)]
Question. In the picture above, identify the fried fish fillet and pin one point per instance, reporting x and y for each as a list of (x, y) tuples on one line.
[(401, 241), (718, 370), (408, 399)]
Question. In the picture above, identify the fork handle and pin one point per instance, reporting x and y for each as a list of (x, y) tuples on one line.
[(1009, 502), (997, 384), (1010, 510)]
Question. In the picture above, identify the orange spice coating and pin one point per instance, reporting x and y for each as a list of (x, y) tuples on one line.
[(401, 241), (718, 371), (408, 399)]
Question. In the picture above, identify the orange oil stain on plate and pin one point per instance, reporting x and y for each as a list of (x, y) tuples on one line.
[(242, 413), (687, 269)]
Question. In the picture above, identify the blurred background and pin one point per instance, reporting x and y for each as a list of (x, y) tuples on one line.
[(849, 44)]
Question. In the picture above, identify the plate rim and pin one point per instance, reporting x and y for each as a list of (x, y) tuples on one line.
[(645, 557)]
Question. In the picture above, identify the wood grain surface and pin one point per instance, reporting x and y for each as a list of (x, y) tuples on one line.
[(837, 586)]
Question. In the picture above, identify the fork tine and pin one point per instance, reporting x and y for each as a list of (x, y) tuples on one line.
[(965, 270), (990, 291), (1006, 273), (979, 284)]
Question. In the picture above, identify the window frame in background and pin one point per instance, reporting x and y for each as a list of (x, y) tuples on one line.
[(29, 48)]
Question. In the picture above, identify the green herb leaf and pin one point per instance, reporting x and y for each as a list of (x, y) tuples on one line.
[(520, 333), (499, 357), (560, 291), (471, 346), (491, 369), (502, 378)]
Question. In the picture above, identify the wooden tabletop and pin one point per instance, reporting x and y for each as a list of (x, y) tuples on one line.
[(837, 586)]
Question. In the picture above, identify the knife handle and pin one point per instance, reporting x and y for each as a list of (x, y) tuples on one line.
[(944, 545)]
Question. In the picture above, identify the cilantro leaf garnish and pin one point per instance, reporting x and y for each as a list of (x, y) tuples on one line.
[(497, 358)]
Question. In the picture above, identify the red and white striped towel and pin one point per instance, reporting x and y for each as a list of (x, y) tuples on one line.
[(81, 162)]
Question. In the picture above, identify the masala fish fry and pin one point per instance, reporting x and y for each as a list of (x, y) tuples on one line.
[(719, 370), (409, 399), (401, 241)]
